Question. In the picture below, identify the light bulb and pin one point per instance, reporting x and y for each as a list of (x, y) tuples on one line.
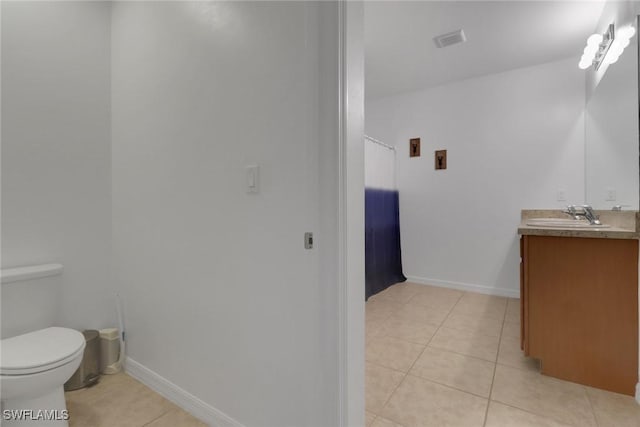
[(616, 50), (594, 39), (625, 33), (590, 51), (613, 54), (611, 59), (584, 64)]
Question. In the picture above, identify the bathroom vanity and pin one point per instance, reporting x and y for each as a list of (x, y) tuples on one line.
[(579, 299)]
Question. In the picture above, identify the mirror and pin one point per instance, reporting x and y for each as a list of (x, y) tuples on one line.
[(612, 175)]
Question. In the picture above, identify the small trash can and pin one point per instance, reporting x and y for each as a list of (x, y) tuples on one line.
[(109, 351), (88, 372)]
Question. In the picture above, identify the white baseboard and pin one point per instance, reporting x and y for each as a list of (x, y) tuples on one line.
[(510, 293), (638, 393), (182, 398)]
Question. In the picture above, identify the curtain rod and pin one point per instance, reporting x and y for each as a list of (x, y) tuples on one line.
[(390, 147)]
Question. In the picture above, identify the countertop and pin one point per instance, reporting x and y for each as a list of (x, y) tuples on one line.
[(623, 225)]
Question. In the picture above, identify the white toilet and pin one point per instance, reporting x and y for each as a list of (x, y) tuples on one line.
[(35, 365)]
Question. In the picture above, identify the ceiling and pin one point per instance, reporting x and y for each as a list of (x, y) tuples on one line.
[(400, 55)]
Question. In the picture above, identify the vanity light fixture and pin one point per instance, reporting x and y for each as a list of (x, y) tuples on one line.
[(606, 48)]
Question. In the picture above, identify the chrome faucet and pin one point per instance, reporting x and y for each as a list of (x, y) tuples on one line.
[(585, 211), (571, 210)]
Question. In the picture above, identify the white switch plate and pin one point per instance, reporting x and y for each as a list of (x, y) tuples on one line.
[(561, 195), (611, 195), (252, 173)]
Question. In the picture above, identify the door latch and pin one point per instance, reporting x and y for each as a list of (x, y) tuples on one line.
[(308, 240)]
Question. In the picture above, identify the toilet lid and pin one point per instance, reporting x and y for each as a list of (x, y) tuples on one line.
[(39, 350)]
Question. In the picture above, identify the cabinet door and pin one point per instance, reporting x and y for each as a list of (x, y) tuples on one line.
[(581, 309)]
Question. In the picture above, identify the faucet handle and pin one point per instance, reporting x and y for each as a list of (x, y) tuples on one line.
[(619, 207), (591, 215), (571, 211)]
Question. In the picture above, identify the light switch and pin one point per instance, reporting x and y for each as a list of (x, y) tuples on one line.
[(253, 178)]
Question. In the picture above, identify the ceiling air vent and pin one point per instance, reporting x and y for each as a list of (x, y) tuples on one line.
[(454, 37)]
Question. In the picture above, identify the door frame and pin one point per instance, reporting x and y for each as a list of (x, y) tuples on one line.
[(351, 334)]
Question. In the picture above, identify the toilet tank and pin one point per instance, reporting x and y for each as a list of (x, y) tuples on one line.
[(29, 298)]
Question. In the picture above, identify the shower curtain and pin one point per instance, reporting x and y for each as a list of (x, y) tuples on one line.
[(383, 262)]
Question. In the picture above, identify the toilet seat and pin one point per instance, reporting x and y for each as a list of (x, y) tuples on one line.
[(40, 351)]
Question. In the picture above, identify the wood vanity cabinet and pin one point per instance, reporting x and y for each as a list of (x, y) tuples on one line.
[(579, 309)]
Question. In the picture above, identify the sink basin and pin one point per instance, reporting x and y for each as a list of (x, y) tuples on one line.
[(562, 223)]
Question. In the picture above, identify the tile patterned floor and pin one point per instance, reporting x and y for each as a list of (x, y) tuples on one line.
[(440, 357), (120, 401), (435, 357)]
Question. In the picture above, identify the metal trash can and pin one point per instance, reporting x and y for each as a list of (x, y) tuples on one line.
[(88, 372), (109, 351)]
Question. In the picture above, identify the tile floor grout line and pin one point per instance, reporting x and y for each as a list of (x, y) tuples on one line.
[(431, 339), (393, 313), (449, 386), (391, 394), (427, 379), (520, 368), (94, 397), (495, 368), (414, 362), (437, 348), (593, 411), (157, 418), (404, 374), (475, 317), (406, 340), (528, 411), (384, 319), (385, 367), (436, 331), (444, 385), (461, 354)]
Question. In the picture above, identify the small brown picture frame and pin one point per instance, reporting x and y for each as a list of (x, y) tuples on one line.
[(414, 147), (441, 159)]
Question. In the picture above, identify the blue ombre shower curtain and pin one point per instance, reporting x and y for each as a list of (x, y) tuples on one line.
[(383, 261)]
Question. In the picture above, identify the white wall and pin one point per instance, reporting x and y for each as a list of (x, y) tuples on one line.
[(56, 160), (513, 140), (221, 297)]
